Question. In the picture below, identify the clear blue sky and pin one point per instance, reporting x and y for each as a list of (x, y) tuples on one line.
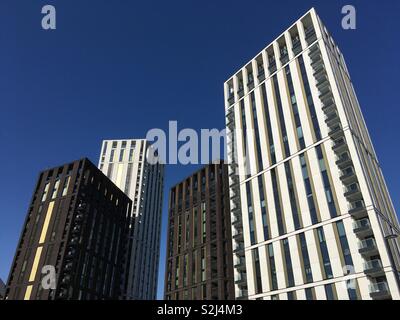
[(115, 69)]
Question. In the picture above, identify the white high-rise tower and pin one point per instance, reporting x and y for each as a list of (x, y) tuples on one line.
[(125, 163), (311, 214)]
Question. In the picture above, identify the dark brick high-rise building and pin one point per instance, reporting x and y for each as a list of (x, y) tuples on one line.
[(77, 222), (199, 255)]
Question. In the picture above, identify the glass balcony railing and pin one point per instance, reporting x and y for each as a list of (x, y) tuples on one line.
[(357, 205), (240, 277), (238, 262), (380, 287), (367, 244), (375, 264), (361, 224), (241, 294)]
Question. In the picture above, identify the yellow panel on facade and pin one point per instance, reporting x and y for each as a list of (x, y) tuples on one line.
[(46, 222), (28, 293), (35, 264)]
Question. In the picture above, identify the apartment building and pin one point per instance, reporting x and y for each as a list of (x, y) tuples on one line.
[(2, 290), (199, 248), (127, 164), (316, 218), (76, 232)]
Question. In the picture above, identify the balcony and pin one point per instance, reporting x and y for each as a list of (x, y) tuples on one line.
[(362, 227), (336, 132), (272, 65), (353, 192), (237, 235), (240, 92), (250, 81), (316, 61), (332, 119), (261, 74), (239, 263), (326, 95), (296, 48), (357, 209), (367, 247), (343, 161), (379, 291), (237, 220), (231, 99), (240, 278), (284, 55), (373, 268), (322, 82), (238, 248), (329, 106), (314, 51), (339, 145), (310, 35), (348, 175), (241, 294)]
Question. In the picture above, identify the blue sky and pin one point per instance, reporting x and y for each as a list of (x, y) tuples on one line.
[(115, 69)]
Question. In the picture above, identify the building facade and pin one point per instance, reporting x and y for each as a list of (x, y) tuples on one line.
[(127, 164), (199, 247), (316, 218), (77, 223), (2, 290)]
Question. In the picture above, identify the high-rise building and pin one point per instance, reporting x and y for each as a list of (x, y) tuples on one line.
[(317, 221), (75, 230), (2, 290), (199, 246), (127, 164)]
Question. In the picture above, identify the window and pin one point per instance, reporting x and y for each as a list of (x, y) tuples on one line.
[(324, 253), (309, 191), (256, 131), (310, 102), (291, 295), (105, 148), (295, 111), (131, 154), (203, 222), (250, 213), (55, 189), (274, 280), (45, 192), (352, 291), (277, 199), (177, 264), (292, 195), (112, 155), (244, 131), (121, 155), (203, 264), (257, 276), (66, 185), (306, 258), (286, 151), (263, 204), (310, 293), (326, 182), (128, 179), (330, 291), (344, 245), (268, 124), (288, 262)]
